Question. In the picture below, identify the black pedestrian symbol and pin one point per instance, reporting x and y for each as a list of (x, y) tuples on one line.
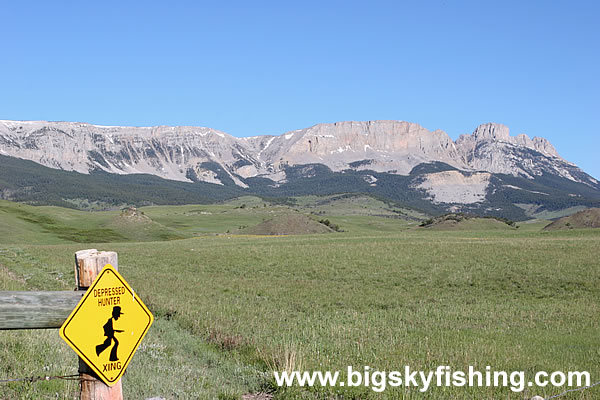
[(109, 332)]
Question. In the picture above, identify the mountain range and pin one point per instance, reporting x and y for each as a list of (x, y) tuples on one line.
[(488, 171)]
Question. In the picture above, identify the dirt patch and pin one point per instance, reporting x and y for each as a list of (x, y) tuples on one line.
[(257, 396), (586, 219), (132, 214), (224, 341)]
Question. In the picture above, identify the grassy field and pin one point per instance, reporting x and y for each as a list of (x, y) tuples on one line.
[(231, 308)]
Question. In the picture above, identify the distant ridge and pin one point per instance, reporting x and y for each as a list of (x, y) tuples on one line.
[(203, 154), (487, 172)]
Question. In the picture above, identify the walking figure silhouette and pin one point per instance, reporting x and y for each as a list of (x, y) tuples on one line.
[(109, 332)]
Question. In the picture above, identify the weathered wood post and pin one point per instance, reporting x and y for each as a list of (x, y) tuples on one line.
[(88, 264)]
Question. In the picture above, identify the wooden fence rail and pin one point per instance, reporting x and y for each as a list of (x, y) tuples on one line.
[(36, 310), (49, 310)]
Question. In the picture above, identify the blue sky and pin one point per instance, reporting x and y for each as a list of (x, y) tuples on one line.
[(260, 67)]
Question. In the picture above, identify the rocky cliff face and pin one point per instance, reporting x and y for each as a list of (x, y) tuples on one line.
[(177, 153), (204, 154), (491, 148), (383, 146)]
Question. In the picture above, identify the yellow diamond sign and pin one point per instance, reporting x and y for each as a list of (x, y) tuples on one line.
[(107, 326)]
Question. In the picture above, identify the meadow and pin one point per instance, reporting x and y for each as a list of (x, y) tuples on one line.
[(230, 308)]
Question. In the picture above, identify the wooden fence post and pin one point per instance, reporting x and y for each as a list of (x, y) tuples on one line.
[(88, 264)]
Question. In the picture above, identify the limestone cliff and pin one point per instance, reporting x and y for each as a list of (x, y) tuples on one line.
[(204, 154)]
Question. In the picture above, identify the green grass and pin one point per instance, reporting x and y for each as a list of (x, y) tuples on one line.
[(48, 224), (382, 293), (201, 220), (451, 222), (352, 205)]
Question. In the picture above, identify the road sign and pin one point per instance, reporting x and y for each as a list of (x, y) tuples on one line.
[(107, 326)]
